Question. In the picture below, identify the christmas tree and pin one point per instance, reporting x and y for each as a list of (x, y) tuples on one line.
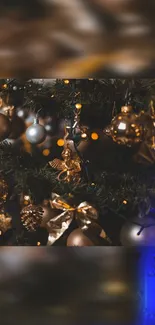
[(77, 162)]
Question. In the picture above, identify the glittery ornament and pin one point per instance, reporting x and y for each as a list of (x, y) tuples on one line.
[(126, 128), (36, 133), (3, 191), (31, 217), (5, 222)]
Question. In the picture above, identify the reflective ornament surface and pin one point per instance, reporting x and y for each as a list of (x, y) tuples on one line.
[(126, 128), (77, 238), (36, 133)]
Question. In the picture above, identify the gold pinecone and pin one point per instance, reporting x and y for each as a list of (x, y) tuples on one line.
[(31, 217)]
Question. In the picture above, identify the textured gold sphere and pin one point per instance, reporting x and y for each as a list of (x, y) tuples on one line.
[(126, 128)]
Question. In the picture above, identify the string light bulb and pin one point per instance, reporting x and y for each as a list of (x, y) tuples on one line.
[(66, 81), (46, 152), (78, 106), (38, 243), (94, 136), (60, 142)]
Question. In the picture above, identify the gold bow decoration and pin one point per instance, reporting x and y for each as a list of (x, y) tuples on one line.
[(85, 215)]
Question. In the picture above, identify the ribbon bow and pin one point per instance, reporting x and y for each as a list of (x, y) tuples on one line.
[(84, 214)]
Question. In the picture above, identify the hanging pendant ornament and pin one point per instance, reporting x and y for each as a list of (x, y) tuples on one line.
[(126, 128), (31, 217), (5, 222), (36, 133), (3, 191)]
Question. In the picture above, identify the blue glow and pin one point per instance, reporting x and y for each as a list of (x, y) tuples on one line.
[(147, 286)]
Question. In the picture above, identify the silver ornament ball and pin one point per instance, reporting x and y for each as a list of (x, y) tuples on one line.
[(36, 133)]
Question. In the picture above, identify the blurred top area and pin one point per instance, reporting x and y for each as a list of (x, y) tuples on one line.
[(77, 38)]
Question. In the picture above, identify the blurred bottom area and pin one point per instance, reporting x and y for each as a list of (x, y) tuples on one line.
[(70, 286)]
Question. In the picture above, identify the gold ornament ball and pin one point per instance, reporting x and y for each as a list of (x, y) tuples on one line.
[(126, 128), (78, 106), (77, 238), (3, 191), (31, 217)]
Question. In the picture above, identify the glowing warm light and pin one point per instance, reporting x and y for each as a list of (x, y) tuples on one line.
[(125, 202), (38, 243), (26, 202), (52, 96), (78, 106), (4, 86), (122, 126), (94, 136), (66, 81), (60, 142), (26, 197), (83, 135), (115, 287), (90, 79), (46, 152), (0, 233), (133, 125)]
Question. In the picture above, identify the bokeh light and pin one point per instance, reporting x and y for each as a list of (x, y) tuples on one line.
[(94, 136), (60, 142)]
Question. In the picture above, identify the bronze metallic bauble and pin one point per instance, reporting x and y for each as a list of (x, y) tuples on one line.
[(31, 217), (138, 232), (126, 128), (5, 127), (77, 238), (3, 191)]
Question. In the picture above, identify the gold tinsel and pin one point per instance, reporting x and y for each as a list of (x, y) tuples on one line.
[(31, 217)]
